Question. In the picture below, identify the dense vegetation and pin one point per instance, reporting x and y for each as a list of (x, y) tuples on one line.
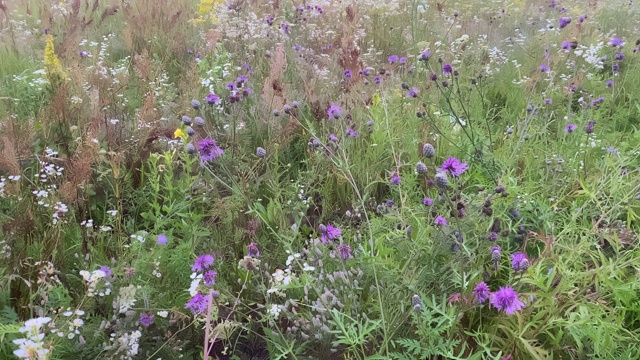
[(320, 179)]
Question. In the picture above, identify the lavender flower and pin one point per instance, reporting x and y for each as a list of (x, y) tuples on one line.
[(209, 151), (252, 250), (209, 277), (334, 112), (519, 261), (162, 239), (198, 304), (454, 167), (481, 292), (440, 221), (202, 263), (506, 299), (146, 319), (570, 128), (344, 251)]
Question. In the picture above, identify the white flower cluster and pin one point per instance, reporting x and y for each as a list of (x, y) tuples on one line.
[(127, 345), (32, 345), (96, 282), (75, 323), (126, 299)]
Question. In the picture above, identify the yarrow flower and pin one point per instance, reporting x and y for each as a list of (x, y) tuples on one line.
[(506, 299), (454, 167), (519, 261), (481, 292), (202, 263), (334, 112), (209, 150)]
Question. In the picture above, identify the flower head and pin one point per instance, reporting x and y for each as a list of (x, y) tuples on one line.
[(454, 167), (413, 93), (209, 277), (563, 22), (616, 41), (481, 292), (106, 270), (566, 46), (162, 239), (195, 103), (519, 261), (427, 201), (334, 112), (209, 150), (197, 304), (506, 299), (440, 221), (146, 319), (212, 99), (344, 251), (330, 233), (395, 179), (252, 250), (393, 59), (447, 69), (496, 253), (202, 263), (261, 152), (544, 68), (570, 128), (178, 133)]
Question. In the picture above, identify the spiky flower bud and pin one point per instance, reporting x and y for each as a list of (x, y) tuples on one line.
[(421, 168), (428, 151), (441, 180)]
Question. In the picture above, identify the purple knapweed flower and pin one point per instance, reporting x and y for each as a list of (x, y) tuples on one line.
[(209, 150), (212, 99), (425, 55), (162, 239), (566, 46), (481, 292), (506, 299), (548, 101), (447, 69), (393, 59), (198, 304), (241, 80), (344, 251), (146, 319), (609, 83), (106, 270), (582, 18), (347, 74), (333, 138), (285, 27), (619, 56), (231, 86), (544, 68), (329, 234), (395, 179), (616, 41), (209, 277), (427, 201), (440, 221), (377, 79), (252, 250), (454, 167), (246, 92), (202, 263), (493, 236), (334, 112), (402, 60), (351, 132), (563, 22), (570, 128), (365, 72), (413, 93), (519, 261)]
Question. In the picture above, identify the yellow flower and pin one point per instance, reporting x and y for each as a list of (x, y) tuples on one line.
[(52, 66), (178, 133)]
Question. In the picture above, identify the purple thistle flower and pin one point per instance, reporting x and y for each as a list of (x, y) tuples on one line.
[(548, 101), (197, 304), (395, 179), (616, 41), (345, 252), (212, 99), (285, 27), (377, 79), (563, 22), (427, 201), (570, 128), (493, 236), (106, 270), (481, 292), (402, 60), (447, 69), (619, 56), (609, 83), (440, 221), (393, 59), (252, 250), (519, 261), (231, 86), (330, 233), (209, 277), (506, 299), (566, 46), (433, 76), (209, 150), (333, 138), (146, 319), (496, 253), (582, 18), (348, 74), (454, 167), (615, 67), (413, 93), (544, 68), (246, 92), (351, 132), (202, 263), (241, 80), (425, 55), (162, 239), (334, 112), (365, 72)]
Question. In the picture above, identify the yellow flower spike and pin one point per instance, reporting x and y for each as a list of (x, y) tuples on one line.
[(178, 134), (52, 66)]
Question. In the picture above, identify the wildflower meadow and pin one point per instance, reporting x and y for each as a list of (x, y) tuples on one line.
[(319, 179)]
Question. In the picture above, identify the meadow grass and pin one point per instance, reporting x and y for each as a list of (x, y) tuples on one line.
[(319, 180)]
